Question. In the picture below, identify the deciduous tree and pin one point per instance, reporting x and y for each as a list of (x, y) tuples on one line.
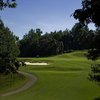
[(90, 13), (7, 3)]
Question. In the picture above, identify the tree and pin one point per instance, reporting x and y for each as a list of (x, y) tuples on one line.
[(79, 37), (30, 43), (34, 44), (8, 50), (49, 46), (67, 40), (8, 44), (87, 14), (7, 3)]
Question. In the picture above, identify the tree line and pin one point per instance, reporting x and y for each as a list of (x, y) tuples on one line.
[(37, 44)]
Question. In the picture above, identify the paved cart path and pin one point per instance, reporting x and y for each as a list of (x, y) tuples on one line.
[(31, 81)]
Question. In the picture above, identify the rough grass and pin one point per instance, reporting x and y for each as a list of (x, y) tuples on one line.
[(65, 78), (11, 82)]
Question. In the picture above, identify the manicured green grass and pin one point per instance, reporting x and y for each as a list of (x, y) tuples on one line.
[(65, 78)]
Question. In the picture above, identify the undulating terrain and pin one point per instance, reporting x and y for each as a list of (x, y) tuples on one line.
[(65, 78)]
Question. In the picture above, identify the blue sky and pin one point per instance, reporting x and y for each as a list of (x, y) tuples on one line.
[(48, 15)]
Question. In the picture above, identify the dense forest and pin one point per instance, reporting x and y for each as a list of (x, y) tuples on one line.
[(38, 44)]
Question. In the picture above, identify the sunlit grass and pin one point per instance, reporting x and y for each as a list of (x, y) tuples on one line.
[(65, 78)]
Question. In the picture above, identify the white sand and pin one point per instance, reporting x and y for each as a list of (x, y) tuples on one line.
[(28, 63)]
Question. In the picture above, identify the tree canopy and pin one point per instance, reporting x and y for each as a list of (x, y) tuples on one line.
[(89, 12), (8, 49), (7, 3), (34, 43)]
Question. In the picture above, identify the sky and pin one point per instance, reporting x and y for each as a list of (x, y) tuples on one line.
[(48, 15)]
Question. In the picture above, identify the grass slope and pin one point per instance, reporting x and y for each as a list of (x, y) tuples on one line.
[(66, 78), (11, 82)]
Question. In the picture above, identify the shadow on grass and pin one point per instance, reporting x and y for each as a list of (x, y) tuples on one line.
[(97, 98)]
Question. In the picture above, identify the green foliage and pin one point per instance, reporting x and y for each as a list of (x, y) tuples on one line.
[(36, 44), (80, 37), (93, 54), (7, 3), (89, 12), (30, 43), (8, 49), (95, 73)]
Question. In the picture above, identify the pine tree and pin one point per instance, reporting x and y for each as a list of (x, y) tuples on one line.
[(8, 49)]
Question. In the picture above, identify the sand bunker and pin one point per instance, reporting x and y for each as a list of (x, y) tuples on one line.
[(28, 63)]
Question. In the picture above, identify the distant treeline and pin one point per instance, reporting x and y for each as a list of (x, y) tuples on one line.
[(37, 44)]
